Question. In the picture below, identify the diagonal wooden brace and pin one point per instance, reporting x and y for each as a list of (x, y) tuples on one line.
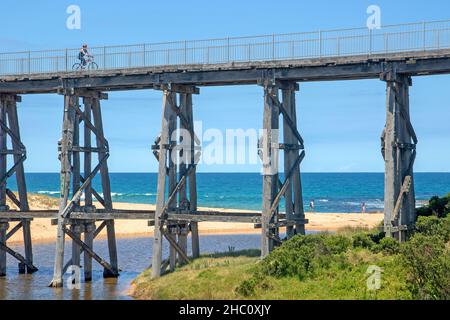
[(96, 233), (288, 119), (19, 257), (88, 180), (175, 245), (286, 183), (89, 251)]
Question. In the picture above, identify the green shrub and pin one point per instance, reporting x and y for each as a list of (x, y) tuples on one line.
[(363, 240), (302, 255), (427, 261), (389, 246), (434, 226), (294, 258), (439, 207), (337, 244), (247, 288)]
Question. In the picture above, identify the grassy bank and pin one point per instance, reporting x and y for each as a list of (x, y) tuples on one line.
[(322, 266)]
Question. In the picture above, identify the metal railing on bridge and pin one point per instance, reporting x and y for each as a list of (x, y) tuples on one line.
[(422, 36)]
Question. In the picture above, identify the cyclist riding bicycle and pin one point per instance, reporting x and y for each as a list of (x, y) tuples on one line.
[(83, 54)]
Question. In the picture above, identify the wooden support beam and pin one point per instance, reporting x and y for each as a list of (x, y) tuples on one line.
[(106, 188), (26, 229), (13, 231), (89, 230), (192, 177), (3, 156), (19, 156), (65, 158), (398, 148), (294, 199), (4, 249), (172, 170), (176, 246), (89, 251), (161, 188), (270, 166), (76, 249), (94, 235), (13, 198), (3, 229)]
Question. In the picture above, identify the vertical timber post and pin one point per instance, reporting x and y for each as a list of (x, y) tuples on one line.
[(106, 187), (19, 157), (273, 188), (70, 151), (3, 228), (399, 151), (174, 230), (3, 155), (293, 144), (76, 172), (176, 156), (270, 167), (9, 125), (66, 172), (161, 189), (89, 227), (191, 160)]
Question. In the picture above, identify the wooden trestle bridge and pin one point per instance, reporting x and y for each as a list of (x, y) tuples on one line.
[(277, 63)]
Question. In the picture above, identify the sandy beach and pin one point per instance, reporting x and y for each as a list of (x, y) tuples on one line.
[(43, 231)]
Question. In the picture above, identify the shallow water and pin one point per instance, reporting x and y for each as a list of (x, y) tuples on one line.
[(134, 257)]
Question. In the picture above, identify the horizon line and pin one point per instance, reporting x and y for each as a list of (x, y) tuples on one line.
[(236, 172)]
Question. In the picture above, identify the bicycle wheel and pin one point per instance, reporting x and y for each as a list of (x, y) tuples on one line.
[(77, 66), (93, 66)]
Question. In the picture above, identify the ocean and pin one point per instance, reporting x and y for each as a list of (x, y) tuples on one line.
[(331, 192)]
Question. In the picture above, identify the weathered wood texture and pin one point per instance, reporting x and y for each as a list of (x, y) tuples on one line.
[(175, 151), (399, 151), (9, 128), (161, 188), (70, 157), (273, 188), (270, 142), (3, 228)]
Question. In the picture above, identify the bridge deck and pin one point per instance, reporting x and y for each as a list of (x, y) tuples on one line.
[(414, 63)]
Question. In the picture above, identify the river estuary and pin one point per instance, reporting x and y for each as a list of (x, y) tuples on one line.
[(134, 257)]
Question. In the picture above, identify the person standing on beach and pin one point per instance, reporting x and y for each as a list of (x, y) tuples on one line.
[(363, 207), (311, 205)]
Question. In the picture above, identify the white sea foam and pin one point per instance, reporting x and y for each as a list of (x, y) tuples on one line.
[(47, 192)]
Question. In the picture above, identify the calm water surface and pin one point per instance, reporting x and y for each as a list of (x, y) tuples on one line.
[(134, 257)]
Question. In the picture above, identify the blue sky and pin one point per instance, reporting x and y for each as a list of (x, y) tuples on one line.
[(341, 121)]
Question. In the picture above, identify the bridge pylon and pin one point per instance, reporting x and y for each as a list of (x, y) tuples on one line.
[(398, 143), (9, 130), (177, 151), (274, 189), (74, 184)]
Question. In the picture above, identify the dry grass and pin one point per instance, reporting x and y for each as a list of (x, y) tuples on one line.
[(37, 201)]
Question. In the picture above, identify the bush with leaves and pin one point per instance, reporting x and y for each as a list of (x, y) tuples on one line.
[(434, 226), (389, 246), (427, 259), (367, 239), (301, 255), (439, 207)]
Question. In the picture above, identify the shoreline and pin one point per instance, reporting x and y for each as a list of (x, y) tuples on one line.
[(43, 232)]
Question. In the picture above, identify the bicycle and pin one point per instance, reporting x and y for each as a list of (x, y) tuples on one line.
[(90, 65)]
